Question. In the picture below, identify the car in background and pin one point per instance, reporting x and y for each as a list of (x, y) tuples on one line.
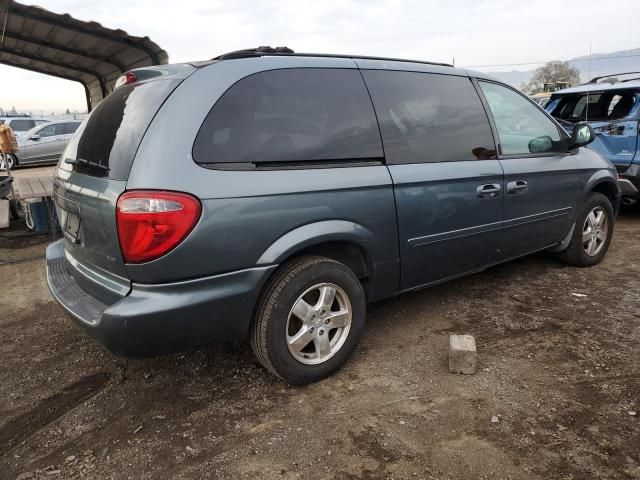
[(613, 110), (540, 98), (43, 144), (21, 123)]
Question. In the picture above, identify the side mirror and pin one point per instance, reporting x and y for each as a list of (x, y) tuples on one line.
[(541, 144), (582, 135), (35, 137)]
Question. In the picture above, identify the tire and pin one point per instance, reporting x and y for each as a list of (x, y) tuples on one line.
[(13, 161), (15, 209), (579, 253), (278, 335)]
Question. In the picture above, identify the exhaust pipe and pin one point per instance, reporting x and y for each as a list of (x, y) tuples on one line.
[(628, 201)]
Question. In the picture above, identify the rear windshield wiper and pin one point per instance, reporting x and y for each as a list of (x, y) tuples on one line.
[(87, 163)]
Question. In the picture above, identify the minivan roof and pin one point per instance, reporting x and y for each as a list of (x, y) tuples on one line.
[(285, 51), (363, 61)]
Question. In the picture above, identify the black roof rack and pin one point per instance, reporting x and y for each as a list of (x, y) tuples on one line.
[(16, 115), (595, 79), (285, 51)]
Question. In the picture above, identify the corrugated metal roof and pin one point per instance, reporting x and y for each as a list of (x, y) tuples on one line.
[(57, 44)]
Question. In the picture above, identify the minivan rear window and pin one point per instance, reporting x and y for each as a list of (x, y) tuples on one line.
[(106, 142), (290, 115)]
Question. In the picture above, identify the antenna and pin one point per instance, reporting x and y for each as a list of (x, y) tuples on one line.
[(586, 111)]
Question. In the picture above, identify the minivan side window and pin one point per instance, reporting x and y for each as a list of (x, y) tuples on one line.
[(291, 115), (427, 117), (522, 128)]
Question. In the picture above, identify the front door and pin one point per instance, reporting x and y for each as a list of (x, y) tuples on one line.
[(448, 183), (45, 145), (542, 185)]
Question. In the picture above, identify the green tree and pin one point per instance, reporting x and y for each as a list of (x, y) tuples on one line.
[(552, 72)]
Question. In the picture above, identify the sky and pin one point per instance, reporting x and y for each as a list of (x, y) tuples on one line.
[(473, 32)]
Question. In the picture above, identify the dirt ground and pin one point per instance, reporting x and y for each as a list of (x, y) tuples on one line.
[(560, 372)]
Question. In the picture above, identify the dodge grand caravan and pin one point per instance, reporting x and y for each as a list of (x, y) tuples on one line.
[(270, 195)]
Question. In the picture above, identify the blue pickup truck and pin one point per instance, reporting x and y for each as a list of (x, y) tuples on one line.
[(613, 110)]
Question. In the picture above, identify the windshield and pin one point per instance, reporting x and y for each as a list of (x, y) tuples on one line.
[(596, 106)]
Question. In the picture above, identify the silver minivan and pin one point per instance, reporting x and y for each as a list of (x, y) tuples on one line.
[(43, 143)]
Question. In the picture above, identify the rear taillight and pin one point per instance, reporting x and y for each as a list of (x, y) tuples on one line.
[(126, 79), (151, 223)]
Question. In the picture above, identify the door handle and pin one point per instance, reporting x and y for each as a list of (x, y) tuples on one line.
[(518, 187), (490, 190)]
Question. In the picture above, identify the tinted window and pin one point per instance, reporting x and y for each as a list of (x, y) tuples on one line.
[(428, 117), (70, 127), (51, 130), (112, 133), (601, 106), (291, 115), (522, 127), (21, 125)]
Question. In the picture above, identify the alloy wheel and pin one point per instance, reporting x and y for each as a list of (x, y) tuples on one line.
[(318, 324), (595, 231)]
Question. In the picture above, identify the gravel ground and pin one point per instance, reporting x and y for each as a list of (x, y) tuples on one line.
[(557, 395)]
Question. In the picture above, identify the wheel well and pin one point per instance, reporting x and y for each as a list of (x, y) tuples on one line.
[(347, 253), (608, 190)]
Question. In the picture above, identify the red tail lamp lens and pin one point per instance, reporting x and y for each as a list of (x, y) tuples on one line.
[(152, 223)]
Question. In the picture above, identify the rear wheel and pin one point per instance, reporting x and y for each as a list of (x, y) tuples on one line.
[(309, 320), (592, 234)]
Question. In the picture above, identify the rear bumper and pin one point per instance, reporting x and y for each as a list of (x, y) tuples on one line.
[(159, 318)]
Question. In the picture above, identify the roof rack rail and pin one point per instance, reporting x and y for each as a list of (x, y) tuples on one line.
[(595, 79), (16, 115), (254, 52), (285, 51)]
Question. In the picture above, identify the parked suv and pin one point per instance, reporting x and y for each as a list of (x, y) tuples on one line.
[(613, 110), (272, 195)]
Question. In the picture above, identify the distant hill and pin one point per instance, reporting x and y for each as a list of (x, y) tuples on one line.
[(601, 64)]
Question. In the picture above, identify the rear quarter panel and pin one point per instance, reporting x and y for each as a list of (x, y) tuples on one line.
[(257, 217)]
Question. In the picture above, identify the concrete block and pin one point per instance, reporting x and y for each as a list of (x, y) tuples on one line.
[(463, 357)]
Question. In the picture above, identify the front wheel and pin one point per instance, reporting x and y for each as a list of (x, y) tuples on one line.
[(592, 234), (309, 320), (8, 158)]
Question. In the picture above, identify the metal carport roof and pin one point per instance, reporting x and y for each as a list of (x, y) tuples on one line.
[(56, 44)]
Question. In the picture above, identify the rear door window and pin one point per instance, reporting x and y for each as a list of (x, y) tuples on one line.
[(106, 143), (284, 117), (70, 127), (426, 117)]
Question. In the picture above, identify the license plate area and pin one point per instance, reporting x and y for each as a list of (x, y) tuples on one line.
[(71, 227)]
